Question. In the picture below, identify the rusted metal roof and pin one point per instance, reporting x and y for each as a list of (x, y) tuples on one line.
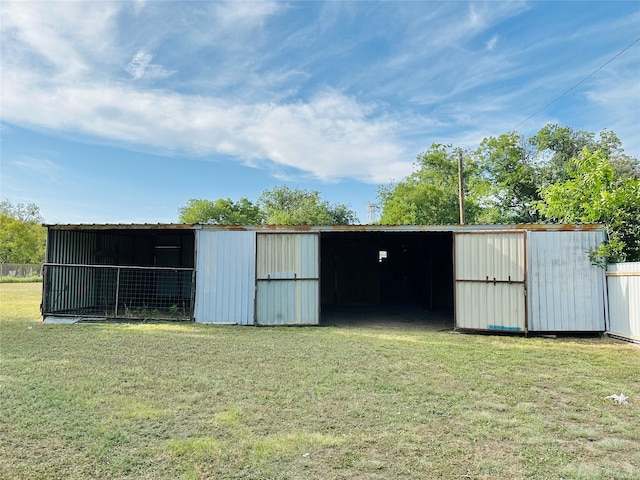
[(330, 228), (121, 226)]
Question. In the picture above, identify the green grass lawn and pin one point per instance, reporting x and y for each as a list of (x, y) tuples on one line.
[(191, 401)]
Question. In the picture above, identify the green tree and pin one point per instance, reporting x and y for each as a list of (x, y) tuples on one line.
[(508, 165), (221, 211), (293, 206), (429, 195), (556, 146), (595, 193), (22, 236)]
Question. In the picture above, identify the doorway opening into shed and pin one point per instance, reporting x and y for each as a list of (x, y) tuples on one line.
[(387, 278)]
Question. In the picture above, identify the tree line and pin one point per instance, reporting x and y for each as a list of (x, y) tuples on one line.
[(559, 175), (22, 236)]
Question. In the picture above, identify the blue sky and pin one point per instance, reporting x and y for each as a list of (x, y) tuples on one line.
[(122, 111)]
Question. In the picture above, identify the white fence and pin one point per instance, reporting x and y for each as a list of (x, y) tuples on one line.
[(623, 284)]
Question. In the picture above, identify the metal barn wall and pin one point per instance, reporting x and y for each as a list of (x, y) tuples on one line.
[(225, 276), (69, 289), (287, 279), (490, 271), (70, 247), (566, 292), (623, 284)]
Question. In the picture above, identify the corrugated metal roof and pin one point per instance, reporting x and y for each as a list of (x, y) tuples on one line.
[(120, 226), (328, 228)]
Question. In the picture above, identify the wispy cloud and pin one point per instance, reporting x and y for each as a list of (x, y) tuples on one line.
[(491, 43), (329, 136), (40, 166), (340, 90), (140, 66)]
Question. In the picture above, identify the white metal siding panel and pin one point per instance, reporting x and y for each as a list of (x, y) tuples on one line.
[(225, 277), (481, 303), (566, 292), (484, 306), (287, 255), (492, 255), (288, 302), (287, 279), (623, 282)]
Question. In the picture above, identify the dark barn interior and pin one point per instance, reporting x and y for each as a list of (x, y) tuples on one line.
[(386, 277)]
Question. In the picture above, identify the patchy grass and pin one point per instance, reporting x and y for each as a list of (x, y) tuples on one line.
[(192, 401), (11, 279)]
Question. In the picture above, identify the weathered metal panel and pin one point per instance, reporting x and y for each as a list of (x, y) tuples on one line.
[(623, 283), (69, 289), (70, 247), (490, 274), (485, 306), (287, 254), (288, 302), (490, 256), (225, 278), (566, 292), (287, 279)]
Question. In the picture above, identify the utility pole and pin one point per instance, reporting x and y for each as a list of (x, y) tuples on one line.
[(460, 189)]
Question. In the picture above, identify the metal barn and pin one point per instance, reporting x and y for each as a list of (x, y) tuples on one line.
[(508, 278)]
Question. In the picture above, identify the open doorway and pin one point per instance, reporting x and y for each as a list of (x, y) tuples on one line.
[(387, 278)]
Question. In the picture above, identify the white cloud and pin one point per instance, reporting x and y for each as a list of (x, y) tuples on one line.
[(140, 66), (491, 43), (331, 136), (64, 38)]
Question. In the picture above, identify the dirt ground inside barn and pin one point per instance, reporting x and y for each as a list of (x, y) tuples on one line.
[(401, 317)]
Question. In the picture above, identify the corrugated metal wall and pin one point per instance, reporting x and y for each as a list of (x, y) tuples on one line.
[(69, 289), (287, 279), (566, 292), (70, 247), (225, 279), (490, 271), (623, 284)]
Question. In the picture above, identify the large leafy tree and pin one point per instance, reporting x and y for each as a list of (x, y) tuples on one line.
[(221, 211), (594, 193), (429, 195), (22, 236), (556, 147), (508, 164), (294, 206)]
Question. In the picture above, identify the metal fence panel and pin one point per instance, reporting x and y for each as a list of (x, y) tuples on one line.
[(566, 292), (225, 283), (623, 284), (101, 291)]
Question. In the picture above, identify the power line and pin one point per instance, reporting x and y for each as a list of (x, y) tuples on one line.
[(580, 82)]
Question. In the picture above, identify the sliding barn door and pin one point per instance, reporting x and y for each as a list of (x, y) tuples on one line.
[(287, 279), (490, 276)]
